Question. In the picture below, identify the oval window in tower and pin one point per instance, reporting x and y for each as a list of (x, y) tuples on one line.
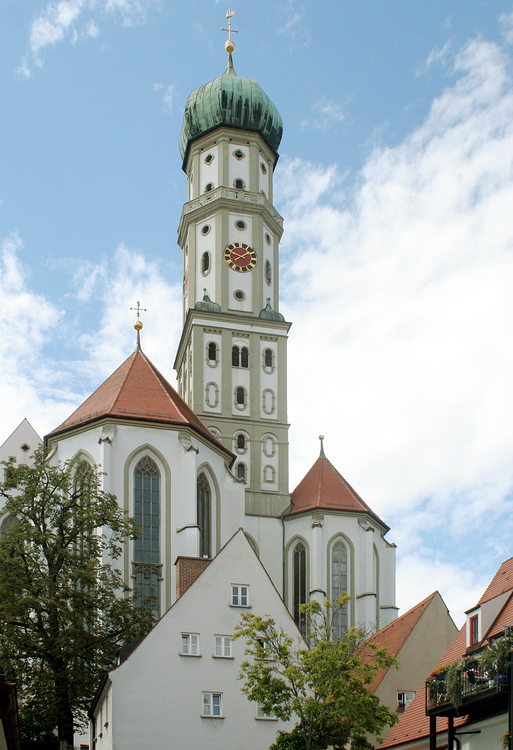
[(240, 225), (268, 238), (205, 229), (268, 273), (239, 295), (239, 154), (209, 158), (263, 167), (205, 263)]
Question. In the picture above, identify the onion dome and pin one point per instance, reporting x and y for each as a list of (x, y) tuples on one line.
[(269, 314), (207, 305), (233, 101)]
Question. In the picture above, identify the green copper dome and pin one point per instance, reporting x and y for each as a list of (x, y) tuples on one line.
[(233, 101)]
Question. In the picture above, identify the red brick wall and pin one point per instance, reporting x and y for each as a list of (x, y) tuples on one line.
[(187, 570)]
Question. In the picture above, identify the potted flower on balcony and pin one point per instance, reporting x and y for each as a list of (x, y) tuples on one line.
[(495, 657), (453, 682)]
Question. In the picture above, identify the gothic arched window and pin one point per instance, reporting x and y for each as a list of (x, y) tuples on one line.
[(146, 568), (6, 525), (204, 506), (338, 587), (299, 585), (82, 484)]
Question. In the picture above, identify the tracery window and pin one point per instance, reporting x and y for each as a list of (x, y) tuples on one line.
[(81, 488), (204, 511), (299, 585), (146, 567), (338, 587), (6, 525)]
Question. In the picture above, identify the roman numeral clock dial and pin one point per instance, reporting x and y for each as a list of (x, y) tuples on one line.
[(240, 257)]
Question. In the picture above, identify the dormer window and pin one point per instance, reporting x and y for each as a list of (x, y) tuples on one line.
[(474, 630)]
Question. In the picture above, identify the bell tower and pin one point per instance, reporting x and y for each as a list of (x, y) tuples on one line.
[(232, 357)]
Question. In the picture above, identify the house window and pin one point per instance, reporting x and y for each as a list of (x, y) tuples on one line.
[(262, 715), (190, 644), (404, 699), (223, 646), (212, 704), (299, 585), (240, 595), (338, 587), (146, 569), (204, 511), (474, 630)]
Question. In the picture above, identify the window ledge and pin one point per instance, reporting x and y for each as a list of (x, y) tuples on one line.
[(204, 716), (241, 606), (215, 656), (194, 656), (266, 718)]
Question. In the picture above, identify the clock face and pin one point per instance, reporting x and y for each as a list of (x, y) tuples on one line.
[(240, 257)]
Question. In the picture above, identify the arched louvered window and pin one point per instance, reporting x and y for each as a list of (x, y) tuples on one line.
[(240, 396), (238, 184), (212, 351), (205, 263), (268, 358), (235, 356), (299, 585), (241, 442), (241, 471), (146, 568), (244, 357), (204, 506), (338, 587)]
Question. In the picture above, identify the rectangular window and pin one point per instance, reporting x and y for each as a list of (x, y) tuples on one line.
[(474, 630), (212, 704), (240, 595), (223, 646), (404, 699), (261, 715), (190, 644)]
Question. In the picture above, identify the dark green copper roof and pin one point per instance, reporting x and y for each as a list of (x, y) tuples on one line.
[(269, 314), (234, 101), (206, 304)]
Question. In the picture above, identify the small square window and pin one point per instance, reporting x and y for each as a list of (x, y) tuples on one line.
[(404, 698), (262, 715), (240, 595), (223, 646), (212, 704), (190, 644)]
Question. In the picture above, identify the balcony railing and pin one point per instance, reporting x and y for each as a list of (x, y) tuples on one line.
[(472, 684)]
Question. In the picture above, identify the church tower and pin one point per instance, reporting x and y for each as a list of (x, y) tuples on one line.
[(232, 357)]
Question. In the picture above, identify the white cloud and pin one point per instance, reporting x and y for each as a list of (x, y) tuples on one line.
[(59, 21), (327, 114), (402, 346), (506, 26), (438, 55), (169, 95), (294, 26)]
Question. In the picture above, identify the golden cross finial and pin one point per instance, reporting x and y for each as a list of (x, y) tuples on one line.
[(139, 309), (229, 45), (138, 323)]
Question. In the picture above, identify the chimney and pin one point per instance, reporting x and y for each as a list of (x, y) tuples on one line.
[(187, 570)]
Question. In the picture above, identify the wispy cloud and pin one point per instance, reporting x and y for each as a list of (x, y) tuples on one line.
[(169, 95), (437, 56), (327, 114), (69, 19), (293, 26), (402, 295), (506, 26)]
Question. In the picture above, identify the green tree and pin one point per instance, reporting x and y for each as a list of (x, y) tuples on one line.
[(324, 687), (64, 610)]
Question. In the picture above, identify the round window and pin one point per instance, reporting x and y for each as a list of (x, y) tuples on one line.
[(239, 295), (268, 238), (240, 224), (205, 229)]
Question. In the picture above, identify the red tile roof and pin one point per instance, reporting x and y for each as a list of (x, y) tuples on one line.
[(414, 723), (501, 582), (137, 390), (323, 488), (394, 636)]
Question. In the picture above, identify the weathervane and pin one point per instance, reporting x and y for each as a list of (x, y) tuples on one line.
[(138, 323), (229, 45)]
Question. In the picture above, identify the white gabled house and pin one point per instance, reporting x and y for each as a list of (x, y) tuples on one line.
[(178, 686)]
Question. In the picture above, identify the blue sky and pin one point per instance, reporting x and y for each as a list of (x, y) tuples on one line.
[(395, 181)]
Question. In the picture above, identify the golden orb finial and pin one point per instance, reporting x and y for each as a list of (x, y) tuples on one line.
[(138, 323), (229, 44)]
